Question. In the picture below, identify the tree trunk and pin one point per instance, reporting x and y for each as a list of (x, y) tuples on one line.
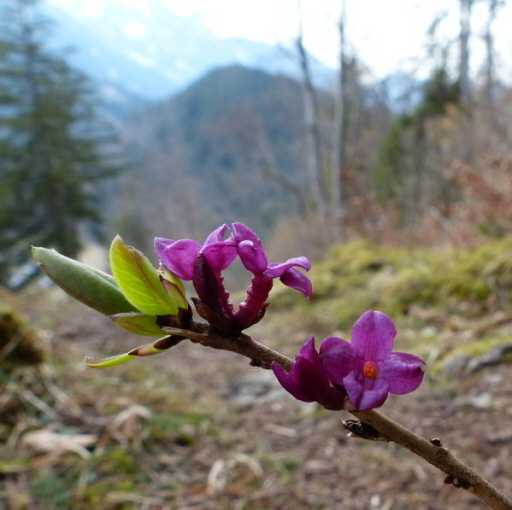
[(489, 47), (316, 160), (338, 141), (465, 32)]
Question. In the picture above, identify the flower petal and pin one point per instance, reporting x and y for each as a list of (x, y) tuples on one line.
[(251, 252), (161, 243), (313, 383), (339, 359), (373, 335), (179, 257), (275, 270), (403, 372), (297, 280), (334, 400), (253, 257), (217, 235), (307, 384), (365, 393), (242, 232), (308, 381), (293, 382), (220, 255), (309, 352)]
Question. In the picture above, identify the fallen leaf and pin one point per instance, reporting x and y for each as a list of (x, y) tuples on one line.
[(48, 440)]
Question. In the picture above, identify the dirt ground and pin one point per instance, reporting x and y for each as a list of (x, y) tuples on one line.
[(198, 429)]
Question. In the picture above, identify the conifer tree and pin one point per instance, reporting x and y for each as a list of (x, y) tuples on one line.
[(52, 145)]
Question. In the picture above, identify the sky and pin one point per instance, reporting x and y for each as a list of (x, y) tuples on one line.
[(387, 35)]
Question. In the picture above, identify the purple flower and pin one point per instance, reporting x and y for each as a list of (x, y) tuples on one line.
[(367, 368), (307, 380), (204, 264), (254, 258), (180, 256)]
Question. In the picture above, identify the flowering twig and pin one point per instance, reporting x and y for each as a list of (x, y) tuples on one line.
[(458, 473), (259, 354), (355, 376)]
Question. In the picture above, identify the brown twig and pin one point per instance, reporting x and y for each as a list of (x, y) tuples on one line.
[(259, 354), (461, 475), (458, 473)]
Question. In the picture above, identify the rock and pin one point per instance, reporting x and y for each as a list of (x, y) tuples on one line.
[(481, 402), (260, 386), (456, 364), (493, 357)]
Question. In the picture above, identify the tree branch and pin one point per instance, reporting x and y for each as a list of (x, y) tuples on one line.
[(458, 473)]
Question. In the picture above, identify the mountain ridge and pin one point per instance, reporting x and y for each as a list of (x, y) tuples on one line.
[(157, 53)]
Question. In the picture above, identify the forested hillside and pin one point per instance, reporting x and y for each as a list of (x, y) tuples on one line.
[(230, 146)]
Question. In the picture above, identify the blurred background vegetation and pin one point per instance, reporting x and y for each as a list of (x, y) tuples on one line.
[(134, 118), (96, 140)]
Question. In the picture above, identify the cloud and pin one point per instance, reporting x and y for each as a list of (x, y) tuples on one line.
[(135, 29)]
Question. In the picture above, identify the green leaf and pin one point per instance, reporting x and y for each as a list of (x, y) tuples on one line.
[(169, 275), (156, 347), (175, 293), (92, 287), (139, 280), (138, 323), (109, 362)]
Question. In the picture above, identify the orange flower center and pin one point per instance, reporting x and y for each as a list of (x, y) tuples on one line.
[(370, 370)]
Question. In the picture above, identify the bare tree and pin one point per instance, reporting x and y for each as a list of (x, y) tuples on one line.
[(464, 34), (489, 46), (314, 140), (436, 51), (338, 132)]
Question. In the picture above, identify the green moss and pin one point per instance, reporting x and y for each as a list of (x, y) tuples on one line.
[(291, 465), (13, 466), (115, 461), (176, 427), (49, 490), (362, 274), (284, 467), (435, 286), (473, 350), (426, 292), (19, 343), (95, 494), (480, 347), (346, 310)]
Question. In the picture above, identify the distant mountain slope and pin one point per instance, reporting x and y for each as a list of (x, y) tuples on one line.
[(147, 50), (208, 151)]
